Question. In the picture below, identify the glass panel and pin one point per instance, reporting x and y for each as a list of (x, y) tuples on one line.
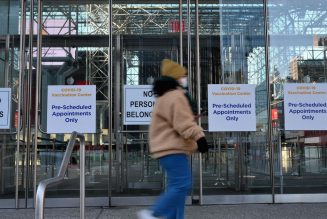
[(298, 55), (75, 52), (147, 33), (237, 162), (209, 67), (9, 17)]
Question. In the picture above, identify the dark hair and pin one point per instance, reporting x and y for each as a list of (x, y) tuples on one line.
[(164, 84)]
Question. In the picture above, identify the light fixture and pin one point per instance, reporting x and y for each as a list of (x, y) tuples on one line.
[(70, 80)]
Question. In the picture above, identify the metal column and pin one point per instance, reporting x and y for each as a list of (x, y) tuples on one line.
[(110, 100), (198, 74), (37, 83), (181, 32), (28, 99), (269, 132), (21, 75), (7, 60), (119, 146), (189, 56)]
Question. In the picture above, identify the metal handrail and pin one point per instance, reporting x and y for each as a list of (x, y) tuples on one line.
[(40, 194)]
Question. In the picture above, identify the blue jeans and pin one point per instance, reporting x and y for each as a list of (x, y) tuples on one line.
[(171, 203)]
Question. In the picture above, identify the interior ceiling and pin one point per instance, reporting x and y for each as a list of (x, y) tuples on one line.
[(146, 18), (81, 2)]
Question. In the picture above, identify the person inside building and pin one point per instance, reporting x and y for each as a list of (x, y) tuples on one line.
[(174, 135)]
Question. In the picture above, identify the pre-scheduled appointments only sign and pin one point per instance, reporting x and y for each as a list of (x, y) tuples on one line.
[(231, 107), (305, 106), (71, 108), (138, 104)]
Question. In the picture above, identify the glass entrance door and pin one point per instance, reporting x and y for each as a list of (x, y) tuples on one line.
[(76, 52), (9, 85), (237, 167), (8, 101), (301, 63), (144, 34)]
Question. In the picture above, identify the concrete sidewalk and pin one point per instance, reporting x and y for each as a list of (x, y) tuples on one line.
[(247, 211)]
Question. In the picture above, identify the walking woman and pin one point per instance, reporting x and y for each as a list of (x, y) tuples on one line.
[(174, 136)]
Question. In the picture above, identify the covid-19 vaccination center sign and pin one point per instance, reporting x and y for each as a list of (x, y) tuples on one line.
[(138, 104), (231, 107), (5, 107), (71, 108), (305, 106)]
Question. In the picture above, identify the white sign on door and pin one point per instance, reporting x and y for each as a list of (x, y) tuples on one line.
[(71, 108), (5, 107), (305, 106), (231, 107), (138, 104)]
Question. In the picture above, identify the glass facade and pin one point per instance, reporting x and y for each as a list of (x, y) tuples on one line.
[(109, 44), (297, 54)]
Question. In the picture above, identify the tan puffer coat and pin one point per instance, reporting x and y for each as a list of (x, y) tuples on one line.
[(173, 129)]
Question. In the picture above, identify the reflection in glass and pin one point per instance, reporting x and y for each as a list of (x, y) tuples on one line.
[(297, 52)]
